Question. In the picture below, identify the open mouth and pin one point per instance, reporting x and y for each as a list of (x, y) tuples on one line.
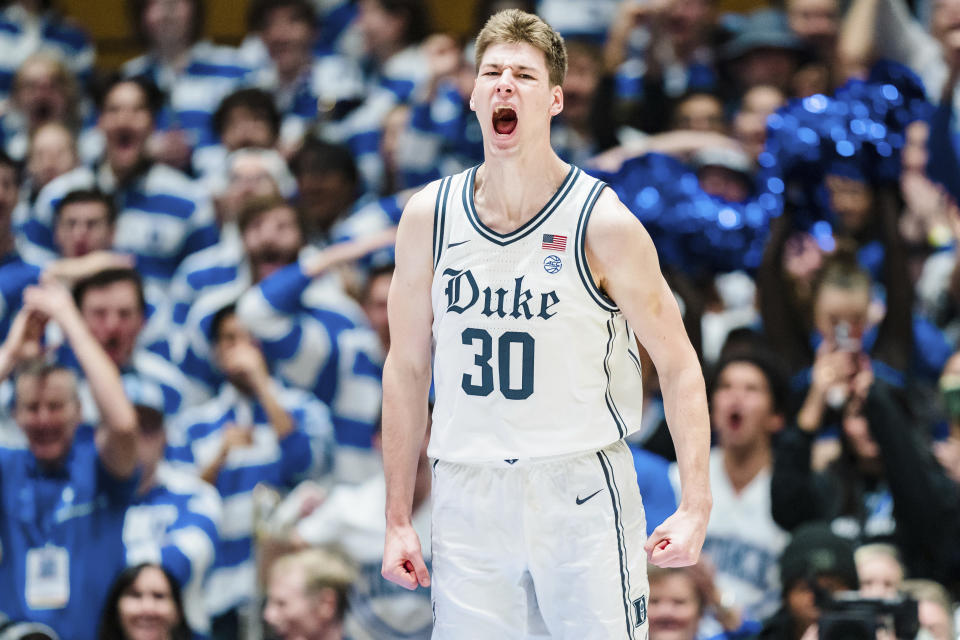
[(735, 420), (124, 139), (504, 120)]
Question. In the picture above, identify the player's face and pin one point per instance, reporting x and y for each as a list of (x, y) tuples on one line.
[(513, 97), (272, 241), (48, 411), (742, 406), (674, 610), (83, 227), (114, 317), (291, 612), (126, 123), (146, 608)]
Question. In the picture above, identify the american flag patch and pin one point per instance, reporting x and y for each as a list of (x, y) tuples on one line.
[(554, 242)]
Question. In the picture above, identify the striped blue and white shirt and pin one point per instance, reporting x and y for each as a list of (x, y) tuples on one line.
[(175, 523), (22, 35), (362, 129), (163, 218), (195, 441), (316, 337), (193, 94)]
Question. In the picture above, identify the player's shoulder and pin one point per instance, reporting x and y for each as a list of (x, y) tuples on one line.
[(610, 215)]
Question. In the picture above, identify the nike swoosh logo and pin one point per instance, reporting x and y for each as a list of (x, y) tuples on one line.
[(456, 244), (582, 500)]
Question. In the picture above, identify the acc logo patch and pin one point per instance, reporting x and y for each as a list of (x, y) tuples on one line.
[(552, 264), (640, 608)]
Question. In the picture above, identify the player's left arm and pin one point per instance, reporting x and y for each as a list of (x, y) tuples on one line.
[(624, 264)]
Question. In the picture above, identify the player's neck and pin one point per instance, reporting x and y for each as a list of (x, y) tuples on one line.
[(515, 188)]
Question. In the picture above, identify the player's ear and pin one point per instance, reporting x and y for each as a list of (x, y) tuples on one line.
[(557, 105), (473, 105)]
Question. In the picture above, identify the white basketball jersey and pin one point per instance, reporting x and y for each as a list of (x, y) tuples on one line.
[(531, 359)]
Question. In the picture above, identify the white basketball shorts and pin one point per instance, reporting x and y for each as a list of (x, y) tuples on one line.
[(540, 548)]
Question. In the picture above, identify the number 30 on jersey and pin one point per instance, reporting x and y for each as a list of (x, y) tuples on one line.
[(480, 383)]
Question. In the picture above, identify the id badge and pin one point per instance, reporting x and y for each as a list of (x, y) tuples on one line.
[(48, 577)]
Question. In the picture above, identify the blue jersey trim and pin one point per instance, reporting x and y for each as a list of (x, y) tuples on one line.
[(526, 228), (580, 252), (621, 544)]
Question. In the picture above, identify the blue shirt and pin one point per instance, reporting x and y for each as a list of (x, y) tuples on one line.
[(78, 507)]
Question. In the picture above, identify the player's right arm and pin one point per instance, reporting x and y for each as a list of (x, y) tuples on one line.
[(406, 383)]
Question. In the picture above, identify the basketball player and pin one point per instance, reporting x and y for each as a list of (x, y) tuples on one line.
[(521, 281)]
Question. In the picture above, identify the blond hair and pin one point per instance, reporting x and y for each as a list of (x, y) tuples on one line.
[(513, 26)]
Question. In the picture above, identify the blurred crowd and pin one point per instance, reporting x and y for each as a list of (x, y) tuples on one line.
[(195, 254)]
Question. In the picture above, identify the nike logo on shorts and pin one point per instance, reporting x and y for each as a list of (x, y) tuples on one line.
[(582, 500)]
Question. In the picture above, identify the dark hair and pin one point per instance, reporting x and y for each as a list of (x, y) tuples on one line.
[(87, 195), (260, 9), (110, 628), (257, 101), (138, 7), (151, 93), (106, 278), (319, 156), (764, 360), (221, 316), (416, 17)]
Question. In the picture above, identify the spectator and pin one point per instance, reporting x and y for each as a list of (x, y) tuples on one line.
[(879, 570), (162, 216), (316, 318), (174, 517), (194, 74), (816, 560), (256, 430), (21, 21), (247, 118), (57, 569), (764, 52), (112, 305), (747, 408), (327, 182), (673, 55), (253, 175), (144, 602), (306, 88), (884, 487), (307, 595), (373, 299), (348, 518), (680, 600), (934, 608), (272, 236), (44, 91)]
